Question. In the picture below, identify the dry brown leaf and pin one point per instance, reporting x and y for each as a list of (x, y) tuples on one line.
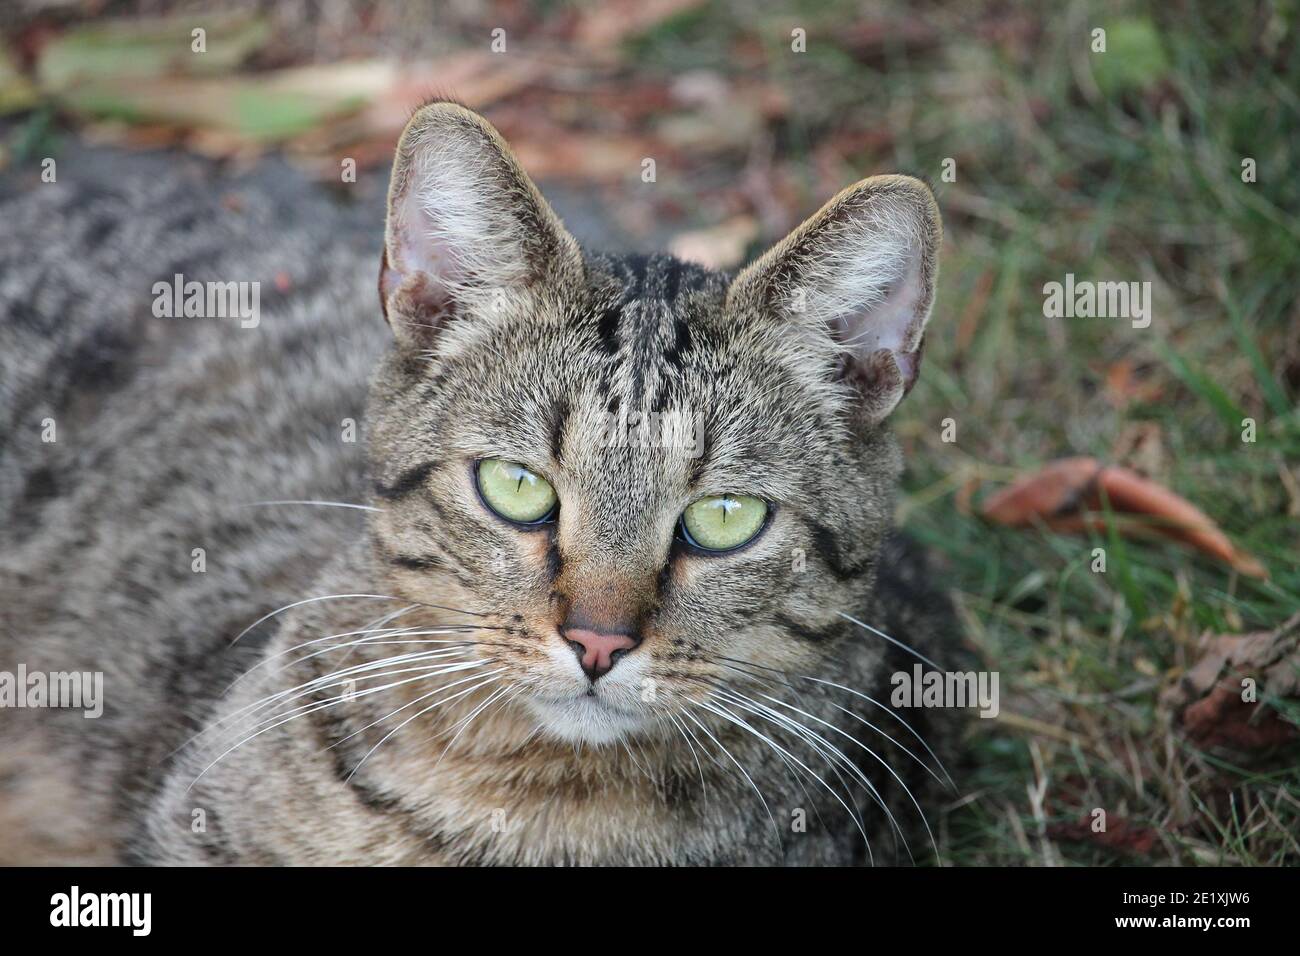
[(1071, 494), (1207, 701), (573, 154), (319, 112), (477, 78), (606, 25), (1056, 488), (1124, 385), (874, 41)]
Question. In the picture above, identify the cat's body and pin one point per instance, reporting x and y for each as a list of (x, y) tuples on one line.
[(172, 434)]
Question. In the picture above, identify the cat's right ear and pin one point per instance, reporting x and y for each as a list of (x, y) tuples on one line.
[(465, 225), (862, 269)]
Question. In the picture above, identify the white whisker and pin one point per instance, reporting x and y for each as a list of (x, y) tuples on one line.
[(382, 637), (775, 829), (284, 717), (884, 763), (741, 722), (277, 723), (325, 504), (897, 643), (312, 600), (420, 713), (337, 677), (467, 720), (423, 673), (376, 623), (892, 713), (827, 750), (681, 729)]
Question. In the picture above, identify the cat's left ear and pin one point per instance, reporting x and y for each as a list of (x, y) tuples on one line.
[(862, 268), (465, 225)]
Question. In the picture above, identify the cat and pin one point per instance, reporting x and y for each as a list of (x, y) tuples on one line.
[(509, 623)]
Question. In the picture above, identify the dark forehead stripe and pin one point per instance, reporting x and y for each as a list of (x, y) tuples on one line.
[(559, 418), (660, 277), (607, 327), (675, 353), (648, 328)]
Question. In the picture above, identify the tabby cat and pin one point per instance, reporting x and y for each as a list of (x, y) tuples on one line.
[(608, 578)]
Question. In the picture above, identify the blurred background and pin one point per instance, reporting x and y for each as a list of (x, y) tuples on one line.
[(1171, 156)]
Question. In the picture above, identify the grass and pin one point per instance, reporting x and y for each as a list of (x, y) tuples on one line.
[(1119, 169), (1151, 191)]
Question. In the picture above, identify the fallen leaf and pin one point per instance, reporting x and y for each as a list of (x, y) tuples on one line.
[(148, 49), (606, 25), (1135, 57), (1207, 700), (254, 109), (878, 41), (321, 112), (476, 78), (581, 155), (1072, 494), (1058, 487), (1124, 385)]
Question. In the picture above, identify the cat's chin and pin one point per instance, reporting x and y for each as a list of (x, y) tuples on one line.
[(585, 720)]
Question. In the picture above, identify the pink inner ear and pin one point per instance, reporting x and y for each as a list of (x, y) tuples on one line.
[(893, 322), (415, 276), (416, 305), (885, 338), (389, 280), (417, 247), (909, 364)]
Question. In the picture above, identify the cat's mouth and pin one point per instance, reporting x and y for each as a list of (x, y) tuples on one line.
[(589, 718)]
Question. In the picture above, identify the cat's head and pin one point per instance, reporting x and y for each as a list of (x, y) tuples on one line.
[(648, 477)]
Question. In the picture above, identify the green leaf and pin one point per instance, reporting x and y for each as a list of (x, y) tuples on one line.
[(135, 49), (1134, 59)]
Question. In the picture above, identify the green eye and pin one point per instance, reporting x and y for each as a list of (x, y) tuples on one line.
[(514, 492), (723, 522)]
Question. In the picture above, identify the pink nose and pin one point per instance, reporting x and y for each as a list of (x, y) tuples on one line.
[(596, 652)]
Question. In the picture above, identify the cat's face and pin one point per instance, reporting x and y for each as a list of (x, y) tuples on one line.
[(651, 481)]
